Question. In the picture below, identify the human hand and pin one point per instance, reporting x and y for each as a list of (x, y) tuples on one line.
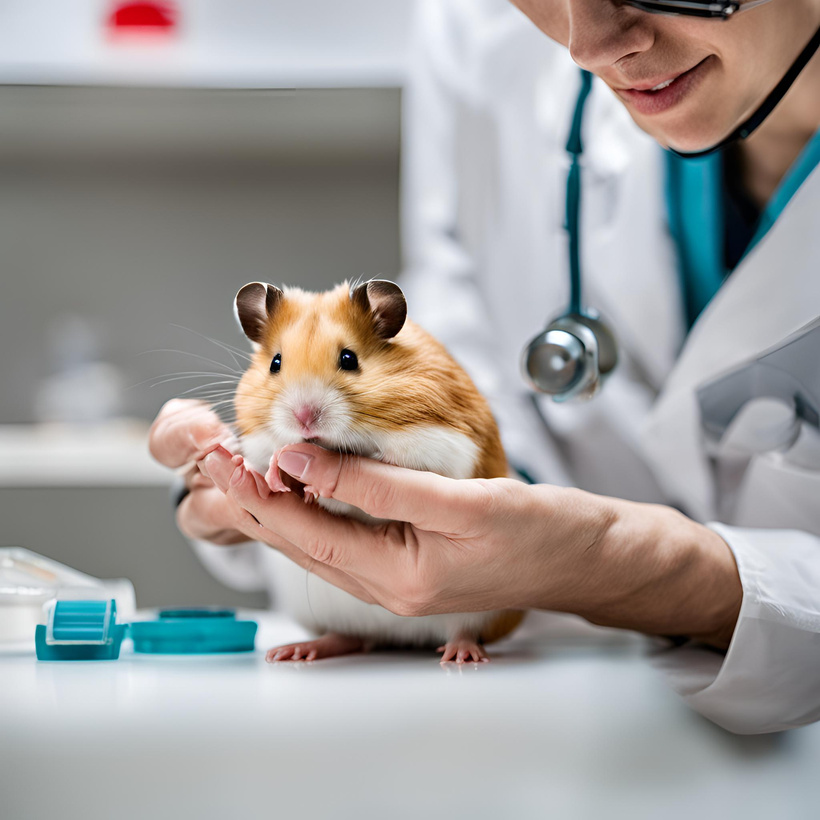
[(444, 546), (184, 431), (472, 545)]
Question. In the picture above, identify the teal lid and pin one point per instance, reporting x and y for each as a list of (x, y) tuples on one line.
[(80, 631), (196, 612), (194, 631)]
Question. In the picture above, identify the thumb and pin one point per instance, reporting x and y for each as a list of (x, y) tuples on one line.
[(426, 500), (184, 429)]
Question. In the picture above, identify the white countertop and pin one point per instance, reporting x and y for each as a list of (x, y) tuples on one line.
[(565, 726)]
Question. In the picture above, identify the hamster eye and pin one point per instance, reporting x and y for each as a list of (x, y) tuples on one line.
[(348, 360), (276, 364)]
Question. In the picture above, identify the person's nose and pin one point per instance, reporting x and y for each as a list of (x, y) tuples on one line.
[(603, 33)]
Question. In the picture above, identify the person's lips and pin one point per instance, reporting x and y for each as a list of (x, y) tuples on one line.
[(657, 95)]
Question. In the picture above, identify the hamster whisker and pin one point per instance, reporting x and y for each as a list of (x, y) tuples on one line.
[(192, 373), (215, 390), (181, 376), (215, 400), (193, 355), (216, 385), (225, 345), (171, 377), (212, 397), (204, 396), (232, 351), (206, 386), (224, 414)]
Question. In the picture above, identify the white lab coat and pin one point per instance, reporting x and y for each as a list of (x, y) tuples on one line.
[(487, 112)]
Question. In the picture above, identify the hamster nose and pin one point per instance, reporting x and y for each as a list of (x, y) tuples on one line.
[(307, 415)]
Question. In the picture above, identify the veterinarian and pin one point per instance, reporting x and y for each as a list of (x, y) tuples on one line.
[(563, 223)]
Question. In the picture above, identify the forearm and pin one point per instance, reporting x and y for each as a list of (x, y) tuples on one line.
[(650, 568)]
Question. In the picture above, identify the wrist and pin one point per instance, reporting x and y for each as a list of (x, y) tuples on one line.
[(654, 570)]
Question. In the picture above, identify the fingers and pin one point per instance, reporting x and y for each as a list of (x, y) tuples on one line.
[(427, 500), (184, 429), (256, 511), (207, 514), (286, 514), (378, 564), (262, 517), (335, 542)]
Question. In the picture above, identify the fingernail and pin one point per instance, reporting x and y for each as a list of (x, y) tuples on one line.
[(203, 469), (218, 468), (294, 464), (237, 475)]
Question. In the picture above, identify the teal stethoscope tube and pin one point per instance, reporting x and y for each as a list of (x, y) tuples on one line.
[(575, 148)]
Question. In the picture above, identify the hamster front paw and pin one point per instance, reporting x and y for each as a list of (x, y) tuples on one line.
[(280, 482)]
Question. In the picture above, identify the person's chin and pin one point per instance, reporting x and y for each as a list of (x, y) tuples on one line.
[(688, 136), (692, 143)]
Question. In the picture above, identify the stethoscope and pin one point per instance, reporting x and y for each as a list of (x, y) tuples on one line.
[(577, 351)]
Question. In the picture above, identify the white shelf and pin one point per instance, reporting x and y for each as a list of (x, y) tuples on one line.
[(50, 456), (218, 44)]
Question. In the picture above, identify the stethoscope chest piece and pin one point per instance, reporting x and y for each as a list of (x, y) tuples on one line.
[(571, 358)]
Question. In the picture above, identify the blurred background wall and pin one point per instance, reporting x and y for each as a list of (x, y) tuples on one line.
[(134, 199)]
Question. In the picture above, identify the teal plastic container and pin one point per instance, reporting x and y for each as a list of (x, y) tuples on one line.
[(196, 631), (80, 631)]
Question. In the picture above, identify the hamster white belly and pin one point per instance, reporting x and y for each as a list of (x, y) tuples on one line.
[(322, 607)]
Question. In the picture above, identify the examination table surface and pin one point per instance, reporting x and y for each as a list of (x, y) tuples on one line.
[(565, 722)]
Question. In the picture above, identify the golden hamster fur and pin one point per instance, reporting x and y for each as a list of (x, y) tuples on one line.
[(347, 370)]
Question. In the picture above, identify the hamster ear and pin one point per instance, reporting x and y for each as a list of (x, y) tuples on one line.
[(254, 305), (385, 302)]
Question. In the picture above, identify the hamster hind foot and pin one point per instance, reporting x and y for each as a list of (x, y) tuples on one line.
[(329, 645), (463, 650)]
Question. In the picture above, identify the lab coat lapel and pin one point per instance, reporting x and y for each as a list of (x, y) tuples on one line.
[(773, 292), (628, 257)]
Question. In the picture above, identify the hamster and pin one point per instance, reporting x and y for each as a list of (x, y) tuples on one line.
[(347, 370)]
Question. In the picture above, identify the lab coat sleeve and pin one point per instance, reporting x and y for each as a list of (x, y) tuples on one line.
[(769, 679), (235, 566), (439, 276)]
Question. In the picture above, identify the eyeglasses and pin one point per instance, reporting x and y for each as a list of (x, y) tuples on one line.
[(715, 9)]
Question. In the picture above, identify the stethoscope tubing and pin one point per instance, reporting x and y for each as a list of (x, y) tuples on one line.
[(575, 148)]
